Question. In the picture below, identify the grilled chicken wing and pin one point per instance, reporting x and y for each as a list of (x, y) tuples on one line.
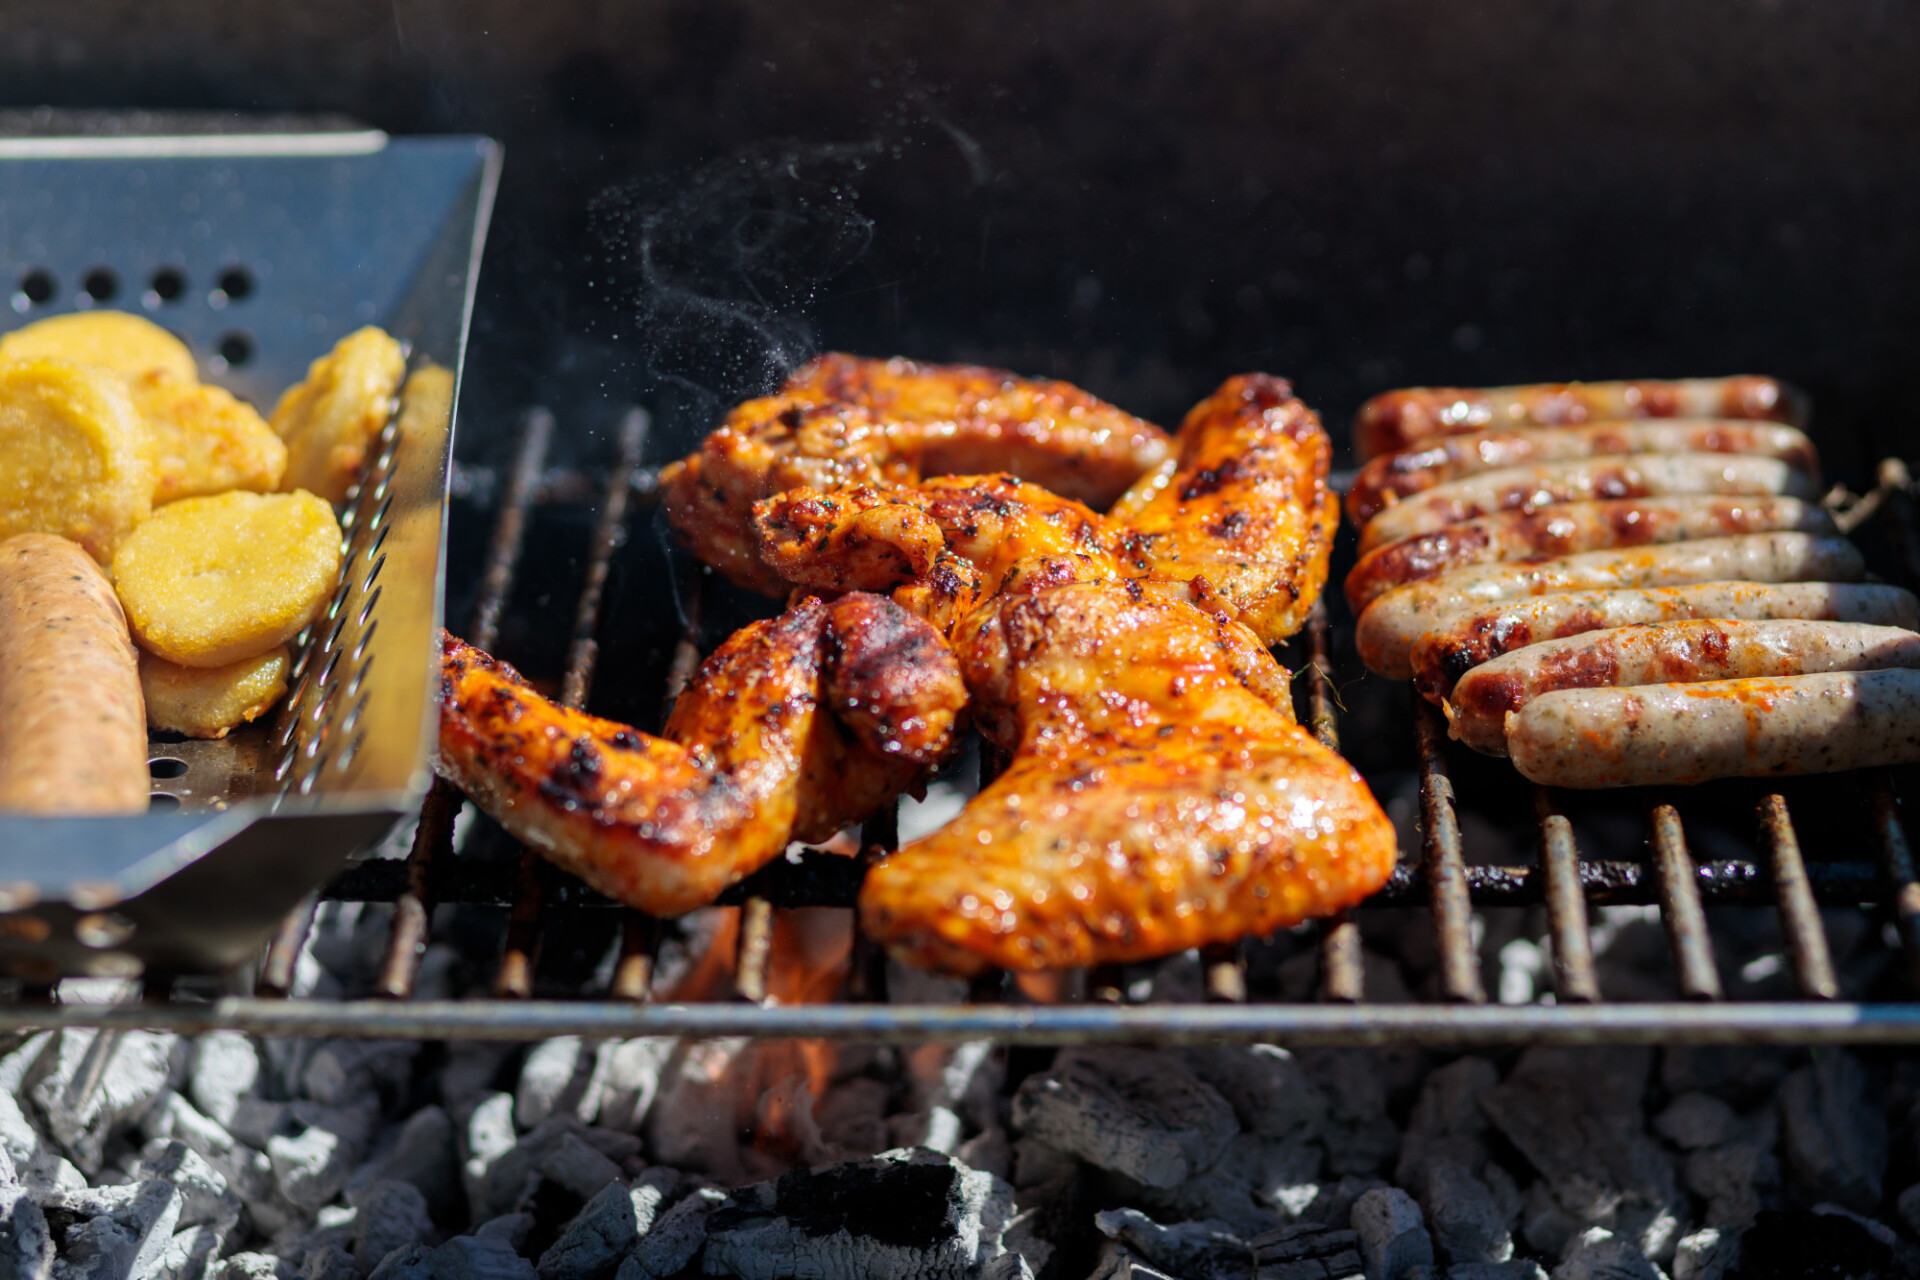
[(842, 420), (1244, 521), (942, 548), (1247, 508), (795, 728), (1155, 800)]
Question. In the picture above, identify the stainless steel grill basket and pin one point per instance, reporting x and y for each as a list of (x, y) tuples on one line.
[(260, 250)]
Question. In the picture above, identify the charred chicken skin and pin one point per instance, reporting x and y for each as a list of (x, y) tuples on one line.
[(843, 420), (1242, 519), (1155, 801), (1160, 795), (795, 728)]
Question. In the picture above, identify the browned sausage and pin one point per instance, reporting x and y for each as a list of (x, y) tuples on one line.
[(1445, 654), (1393, 420), (1566, 528), (1640, 475), (1386, 632), (1659, 734), (1667, 653), (73, 728), (1394, 476)]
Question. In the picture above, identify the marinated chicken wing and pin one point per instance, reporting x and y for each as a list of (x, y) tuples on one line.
[(842, 420), (1248, 508), (1154, 802), (1244, 521), (795, 728), (942, 548)]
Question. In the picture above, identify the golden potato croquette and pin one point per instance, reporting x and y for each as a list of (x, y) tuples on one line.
[(204, 440), (329, 420), (73, 455), (208, 702), (209, 581), (127, 344)]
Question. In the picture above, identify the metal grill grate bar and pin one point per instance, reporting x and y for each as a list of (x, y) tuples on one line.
[(1680, 906), (1445, 867), (1799, 915), (1574, 979), (433, 837), (1343, 973), (520, 957)]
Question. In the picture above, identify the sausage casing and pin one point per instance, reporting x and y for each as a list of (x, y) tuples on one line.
[(1702, 649), (1387, 630), (73, 728), (1443, 655), (1654, 735), (1568, 528), (1643, 475), (1395, 419), (1394, 476)]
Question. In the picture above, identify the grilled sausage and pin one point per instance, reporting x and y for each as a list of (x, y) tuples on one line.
[(1395, 419), (1568, 528), (1643, 475), (73, 728), (1442, 656), (1652, 735), (1391, 624), (1672, 653), (1394, 476)]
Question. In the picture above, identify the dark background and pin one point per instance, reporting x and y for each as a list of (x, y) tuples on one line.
[(1140, 197)]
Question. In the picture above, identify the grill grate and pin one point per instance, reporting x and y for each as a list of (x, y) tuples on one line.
[(1439, 880)]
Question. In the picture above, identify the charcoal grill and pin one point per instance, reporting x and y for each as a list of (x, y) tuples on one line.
[(1436, 877), (1392, 192)]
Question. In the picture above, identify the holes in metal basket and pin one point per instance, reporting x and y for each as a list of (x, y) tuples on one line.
[(36, 289), (162, 802), (235, 349), (168, 284), (312, 775), (373, 574), (366, 611), (351, 750), (379, 540), (101, 929), (101, 284), (235, 284), (167, 767), (359, 676)]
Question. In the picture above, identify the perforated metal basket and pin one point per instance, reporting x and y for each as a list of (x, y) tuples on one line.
[(260, 250)]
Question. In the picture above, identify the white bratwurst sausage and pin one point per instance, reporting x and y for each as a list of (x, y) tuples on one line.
[(1445, 654), (1387, 630), (1397, 476), (1703, 649), (1395, 419), (1639, 475), (1568, 528), (1661, 734)]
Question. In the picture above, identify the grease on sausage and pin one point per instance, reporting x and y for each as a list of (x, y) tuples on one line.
[(1387, 630), (1568, 528), (1701, 649), (1442, 656), (1392, 477), (1670, 734), (1643, 475), (1395, 419)]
